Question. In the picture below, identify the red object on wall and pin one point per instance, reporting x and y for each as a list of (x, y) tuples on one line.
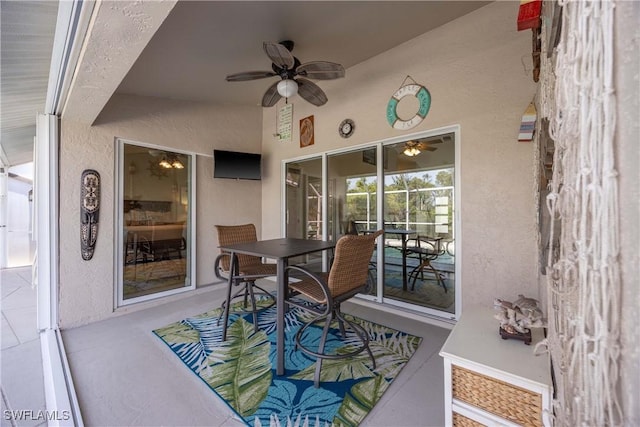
[(529, 14)]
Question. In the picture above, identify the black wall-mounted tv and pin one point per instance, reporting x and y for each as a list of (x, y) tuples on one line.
[(236, 165)]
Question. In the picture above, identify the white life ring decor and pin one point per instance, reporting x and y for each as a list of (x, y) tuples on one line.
[(411, 89)]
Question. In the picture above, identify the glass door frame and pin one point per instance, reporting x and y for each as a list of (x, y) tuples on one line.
[(379, 145), (120, 169)]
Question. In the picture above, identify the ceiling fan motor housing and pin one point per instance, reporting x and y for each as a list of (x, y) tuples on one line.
[(286, 73)]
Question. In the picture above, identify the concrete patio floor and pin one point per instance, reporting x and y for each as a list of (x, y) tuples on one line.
[(21, 382), (125, 376)]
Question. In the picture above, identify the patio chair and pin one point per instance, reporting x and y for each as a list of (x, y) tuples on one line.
[(247, 269), (352, 228), (425, 249), (326, 291)]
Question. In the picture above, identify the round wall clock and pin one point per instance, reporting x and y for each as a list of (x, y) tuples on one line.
[(412, 89), (346, 128)]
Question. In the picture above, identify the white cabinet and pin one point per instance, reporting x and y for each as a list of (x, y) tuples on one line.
[(490, 381)]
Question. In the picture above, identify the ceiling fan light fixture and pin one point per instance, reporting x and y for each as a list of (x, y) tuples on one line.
[(411, 151), (287, 88), (171, 161), (165, 163)]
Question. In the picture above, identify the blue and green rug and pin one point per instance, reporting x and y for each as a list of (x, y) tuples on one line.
[(241, 370)]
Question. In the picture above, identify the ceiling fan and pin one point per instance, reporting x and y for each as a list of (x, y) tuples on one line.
[(292, 74), (413, 148)]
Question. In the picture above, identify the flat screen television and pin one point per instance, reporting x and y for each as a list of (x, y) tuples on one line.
[(236, 165)]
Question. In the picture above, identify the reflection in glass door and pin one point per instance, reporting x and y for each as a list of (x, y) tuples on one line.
[(353, 196), (305, 206), (156, 219), (418, 205)]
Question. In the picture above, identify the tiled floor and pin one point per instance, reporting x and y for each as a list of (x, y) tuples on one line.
[(22, 381), (125, 376)]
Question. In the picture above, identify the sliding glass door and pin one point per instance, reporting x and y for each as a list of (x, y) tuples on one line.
[(405, 186), (353, 195), (305, 205), (419, 222), (156, 220)]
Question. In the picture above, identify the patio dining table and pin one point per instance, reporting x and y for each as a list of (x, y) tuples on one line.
[(404, 236), (281, 250)]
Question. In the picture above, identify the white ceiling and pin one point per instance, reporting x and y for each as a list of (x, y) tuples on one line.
[(26, 39), (200, 42)]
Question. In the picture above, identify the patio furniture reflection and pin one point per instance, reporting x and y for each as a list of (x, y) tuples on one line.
[(426, 250)]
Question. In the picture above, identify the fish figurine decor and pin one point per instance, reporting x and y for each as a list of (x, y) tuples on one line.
[(518, 317), (89, 212)]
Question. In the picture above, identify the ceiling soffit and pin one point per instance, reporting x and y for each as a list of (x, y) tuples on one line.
[(119, 32)]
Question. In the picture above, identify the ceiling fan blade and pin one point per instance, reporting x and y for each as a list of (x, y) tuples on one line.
[(311, 92), (279, 55), (421, 145), (271, 96), (249, 75), (321, 70)]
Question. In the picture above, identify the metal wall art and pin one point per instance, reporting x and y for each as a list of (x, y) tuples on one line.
[(89, 212)]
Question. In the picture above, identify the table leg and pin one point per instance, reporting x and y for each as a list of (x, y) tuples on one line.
[(227, 306), (404, 262), (280, 310)]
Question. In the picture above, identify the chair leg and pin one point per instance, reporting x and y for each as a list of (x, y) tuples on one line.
[(337, 315), (437, 275), (248, 295), (420, 269), (245, 295), (323, 340), (227, 307), (414, 274), (364, 337), (252, 297)]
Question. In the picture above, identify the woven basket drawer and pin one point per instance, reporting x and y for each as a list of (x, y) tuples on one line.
[(462, 421), (505, 400)]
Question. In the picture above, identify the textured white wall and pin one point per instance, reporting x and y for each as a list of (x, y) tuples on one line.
[(87, 287), (627, 89), (478, 71)]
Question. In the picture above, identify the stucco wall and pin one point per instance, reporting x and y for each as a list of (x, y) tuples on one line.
[(87, 287), (478, 71), (627, 89)]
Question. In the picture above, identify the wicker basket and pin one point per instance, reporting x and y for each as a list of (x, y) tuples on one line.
[(502, 399), (462, 421)]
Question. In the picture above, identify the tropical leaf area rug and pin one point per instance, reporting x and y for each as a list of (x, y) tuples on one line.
[(241, 370)]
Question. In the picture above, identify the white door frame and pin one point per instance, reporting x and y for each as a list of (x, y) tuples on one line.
[(4, 212), (45, 190), (71, 28)]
